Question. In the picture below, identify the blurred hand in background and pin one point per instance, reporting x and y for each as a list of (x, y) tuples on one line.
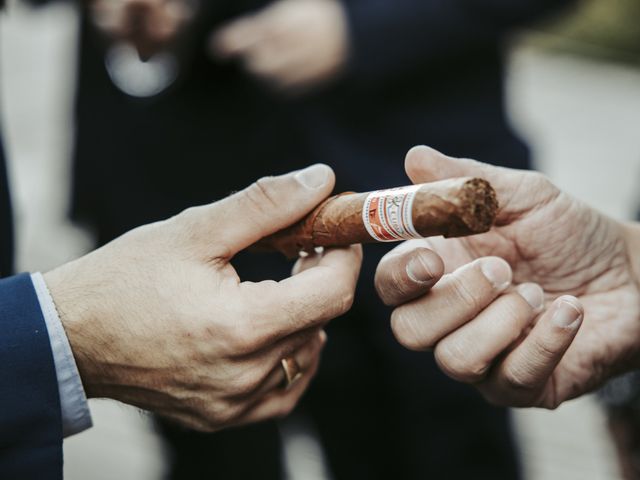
[(291, 44), (148, 25), (570, 321)]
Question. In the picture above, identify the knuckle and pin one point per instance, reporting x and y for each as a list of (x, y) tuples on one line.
[(540, 183), (185, 229), (260, 196), (537, 178), (346, 300), (457, 363), (338, 299), (248, 382), (463, 294), (242, 338), (221, 419), (519, 380), (185, 224), (404, 327), (207, 416), (551, 403), (514, 310), (187, 216), (195, 423), (202, 419), (221, 414), (544, 352), (391, 286)]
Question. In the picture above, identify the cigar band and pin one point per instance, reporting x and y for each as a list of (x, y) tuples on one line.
[(387, 214)]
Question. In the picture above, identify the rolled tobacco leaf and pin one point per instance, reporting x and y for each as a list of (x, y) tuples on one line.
[(454, 208)]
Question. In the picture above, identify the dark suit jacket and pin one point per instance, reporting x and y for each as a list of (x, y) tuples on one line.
[(420, 72), (30, 418)]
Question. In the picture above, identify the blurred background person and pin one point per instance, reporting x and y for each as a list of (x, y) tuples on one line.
[(237, 89)]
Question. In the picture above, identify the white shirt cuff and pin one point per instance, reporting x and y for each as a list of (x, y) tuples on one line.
[(76, 416)]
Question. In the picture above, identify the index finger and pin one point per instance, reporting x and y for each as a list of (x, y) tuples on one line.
[(310, 298)]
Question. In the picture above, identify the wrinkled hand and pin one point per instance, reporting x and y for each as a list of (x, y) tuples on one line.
[(159, 318), (508, 316), (147, 24), (292, 44)]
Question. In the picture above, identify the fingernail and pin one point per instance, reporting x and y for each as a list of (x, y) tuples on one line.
[(323, 337), (420, 269), (314, 177), (567, 314), (497, 271), (533, 294)]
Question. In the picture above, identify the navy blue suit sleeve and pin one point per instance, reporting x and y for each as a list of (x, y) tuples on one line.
[(392, 37), (30, 417)]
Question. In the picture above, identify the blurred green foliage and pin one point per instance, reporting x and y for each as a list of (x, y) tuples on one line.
[(602, 28)]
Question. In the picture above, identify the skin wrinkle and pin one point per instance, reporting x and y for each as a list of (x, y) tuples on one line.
[(577, 271), (454, 360), (605, 329), (512, 215), (462, 294), (413, 337), (510, 311), (261, 199), (549, 273)]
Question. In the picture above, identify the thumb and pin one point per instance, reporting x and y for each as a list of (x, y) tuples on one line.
[(266, 206), (424, 164)]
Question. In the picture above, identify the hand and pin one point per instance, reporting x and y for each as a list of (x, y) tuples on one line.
[(292, 44), (147, 24), (159, 318), (539, 310)]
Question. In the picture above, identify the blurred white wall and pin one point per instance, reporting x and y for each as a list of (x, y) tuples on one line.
[(581, 117)]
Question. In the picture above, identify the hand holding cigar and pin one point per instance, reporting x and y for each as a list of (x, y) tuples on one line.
[(453, 208)]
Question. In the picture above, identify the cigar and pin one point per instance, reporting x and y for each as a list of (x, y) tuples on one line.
[(453, 208)]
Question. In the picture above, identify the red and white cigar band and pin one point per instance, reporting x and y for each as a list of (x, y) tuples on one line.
[(387, 214)]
